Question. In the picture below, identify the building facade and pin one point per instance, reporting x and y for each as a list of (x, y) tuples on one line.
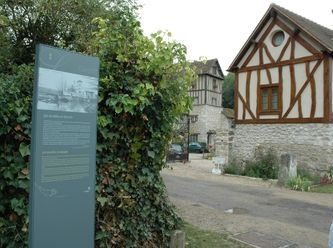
[(283, 89), (206, 92)]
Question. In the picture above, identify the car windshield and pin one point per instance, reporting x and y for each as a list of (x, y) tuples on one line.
[(176, 147), (194, 144)]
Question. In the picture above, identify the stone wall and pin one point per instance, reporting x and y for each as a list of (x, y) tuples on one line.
[(209, 118), (223, 143), (312, 144)]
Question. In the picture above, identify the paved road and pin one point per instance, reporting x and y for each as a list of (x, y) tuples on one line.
[(303, 218)]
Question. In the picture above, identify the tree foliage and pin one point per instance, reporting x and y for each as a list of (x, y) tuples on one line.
[(144, 84), (143, 90), (228, 90), (64, 23)]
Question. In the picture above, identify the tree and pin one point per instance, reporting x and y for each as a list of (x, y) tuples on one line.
[(228, 91), (143, 90), (64, 23)]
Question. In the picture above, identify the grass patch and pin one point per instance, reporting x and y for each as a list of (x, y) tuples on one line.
[(323, 189), (198, 238)]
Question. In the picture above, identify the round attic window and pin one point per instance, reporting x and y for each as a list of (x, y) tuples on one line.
[(278, 38)]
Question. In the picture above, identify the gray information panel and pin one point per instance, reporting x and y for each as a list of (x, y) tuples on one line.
[(62, 188)]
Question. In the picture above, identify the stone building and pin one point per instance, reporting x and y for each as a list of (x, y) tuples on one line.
[(207, 94), (283, 89)]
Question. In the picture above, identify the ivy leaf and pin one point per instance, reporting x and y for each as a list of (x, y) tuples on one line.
[(118, 109), (102, 121), (18, 110), (151, 154), (101, 235), (17, 206), (24, 149), (102, 200), (8, 174), (22, 118)]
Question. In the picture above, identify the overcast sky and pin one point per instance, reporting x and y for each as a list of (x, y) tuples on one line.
[(218, 29)]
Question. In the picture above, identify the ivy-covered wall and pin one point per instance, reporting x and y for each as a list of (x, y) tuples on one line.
[(143, 90)]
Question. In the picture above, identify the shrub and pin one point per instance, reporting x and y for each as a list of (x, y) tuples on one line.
[(330, 173), (15, 129), (264, 165), (299, 183), (252, 169), (306, 174), (325, 179), (233, 167)]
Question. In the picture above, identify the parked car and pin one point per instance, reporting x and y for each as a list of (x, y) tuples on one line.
[(175, 149), (198, 147), (195, 147), (176, 153), (204, 146)]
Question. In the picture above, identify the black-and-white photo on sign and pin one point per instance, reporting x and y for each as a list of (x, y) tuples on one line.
[(64, 91)]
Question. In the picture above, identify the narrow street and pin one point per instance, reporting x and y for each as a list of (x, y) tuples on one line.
[(258, 207)]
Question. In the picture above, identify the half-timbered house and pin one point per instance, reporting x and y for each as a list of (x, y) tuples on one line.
[(206, 92), (283, 89)]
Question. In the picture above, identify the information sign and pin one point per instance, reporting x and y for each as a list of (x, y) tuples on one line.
[(62, 188)]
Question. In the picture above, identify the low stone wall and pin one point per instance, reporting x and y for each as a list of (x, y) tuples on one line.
[(223, 143), (312, 144)]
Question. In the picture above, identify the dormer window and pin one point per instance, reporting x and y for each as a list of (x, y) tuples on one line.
[(278, 38)]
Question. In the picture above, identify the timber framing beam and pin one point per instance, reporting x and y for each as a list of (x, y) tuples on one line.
[(314, 57), (246, 107), (313, 90), (297, 97), (278, 121), (327, 89), (284, 50)]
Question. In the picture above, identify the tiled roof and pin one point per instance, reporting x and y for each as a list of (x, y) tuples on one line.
[(320, 33), (203, 67)]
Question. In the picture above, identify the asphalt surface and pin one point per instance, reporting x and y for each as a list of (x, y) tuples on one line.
[(303, 219), (255, 201)]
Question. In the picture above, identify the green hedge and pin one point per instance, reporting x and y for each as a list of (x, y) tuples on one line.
[(15, 128)]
